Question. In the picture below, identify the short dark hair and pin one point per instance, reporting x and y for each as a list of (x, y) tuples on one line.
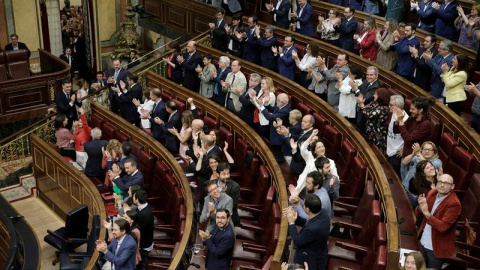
[(65, 81), (123, 225), (14, 36), (223, 166), (133, 214), (172, 105), (352, 9), (412, 25), (433, 38), (133, 77), (254, 18), (208, 56), (346, 56), (156, 92), (292, 37), (357, 71), (313, 203), (224, 210), (317, 178), (462, 62), (134, 188), (236, 17), (141, 196), (320, 162), (59, 121), (132, 161), (134, 51), (100, 72), (126, 148), (209, 183)]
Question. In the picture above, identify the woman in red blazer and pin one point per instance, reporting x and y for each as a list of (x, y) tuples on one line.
[(368, 49)]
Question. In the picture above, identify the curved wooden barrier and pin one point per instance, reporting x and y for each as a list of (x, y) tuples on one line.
[(349, 132), (62, 187), (238, 128), (160, 153)]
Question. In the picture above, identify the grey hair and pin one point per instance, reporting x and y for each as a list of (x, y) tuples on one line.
[(374, 69), (256, 76), (399, 101), (225, 60), (270, 28), (448, 44), (312, 119), (96, 133)]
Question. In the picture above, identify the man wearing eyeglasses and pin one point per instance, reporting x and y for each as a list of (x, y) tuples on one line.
[(439, 209), (215, 200)]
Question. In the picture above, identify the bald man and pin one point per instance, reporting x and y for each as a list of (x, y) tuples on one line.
[(189, 61)]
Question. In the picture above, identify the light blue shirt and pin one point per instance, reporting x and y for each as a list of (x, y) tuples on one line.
[(426, 239), (326, 204)]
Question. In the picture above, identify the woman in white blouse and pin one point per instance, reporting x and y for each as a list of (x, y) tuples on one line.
[(267, 96), (145, 109), (318, 83), (326, 28), (308, 60), (347, 103)]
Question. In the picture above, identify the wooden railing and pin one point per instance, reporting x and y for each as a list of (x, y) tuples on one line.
[(160, 153), (60, 185)]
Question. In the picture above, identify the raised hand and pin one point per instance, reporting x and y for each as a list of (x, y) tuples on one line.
[(274, 49), (136, 102), (294, 55), (122, 85), (293, 144), (81, 110), (225, 148), (445, 68)]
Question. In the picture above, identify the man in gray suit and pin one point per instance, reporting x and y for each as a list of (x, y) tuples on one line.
[(213, 201), (235, 85), (340, 66)]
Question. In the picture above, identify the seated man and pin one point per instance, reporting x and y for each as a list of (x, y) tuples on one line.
[(133, 177), (15, 45), (213, 201), (122, 250)]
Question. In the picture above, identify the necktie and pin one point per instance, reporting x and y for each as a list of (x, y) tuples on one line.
[(154, 106), (116, 75), (68, 97), (189, 56), (69, 60), (215, 89), (233, 79)]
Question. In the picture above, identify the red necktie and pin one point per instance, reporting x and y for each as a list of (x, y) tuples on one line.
[(169, 70), (256, 115)]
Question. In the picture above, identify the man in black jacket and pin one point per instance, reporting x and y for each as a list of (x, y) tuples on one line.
[(367, 90), (218, 32), (146, 224), (174, 122), (231, 188), (95, 154), (66, 101), (15, 45), (125, 97), (189, 61)]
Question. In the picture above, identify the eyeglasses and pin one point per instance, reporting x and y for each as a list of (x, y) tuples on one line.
[(444, 183), (427, 150)]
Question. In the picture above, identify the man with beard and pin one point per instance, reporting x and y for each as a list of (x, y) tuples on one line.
[(405, 62), (229, 187), (313, 185)]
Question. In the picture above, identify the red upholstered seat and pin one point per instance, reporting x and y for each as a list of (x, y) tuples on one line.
[(161, 193), (372, 261), (461, 167), (357, 212), (121, 136), (238, 265), (180, 104), (96, 121), (3, 67), (320, 122), (259, 213), (352, 186), (347, 153), (18, 64), (332, 139), (435, 135), (447, 143), (146, 165), (136, 148), (170, 216), (226, 136), (255, 193), (166, 96), (471, 201), (168, 233), (161, 169), (210, 122), (108, 131), (304, 109)]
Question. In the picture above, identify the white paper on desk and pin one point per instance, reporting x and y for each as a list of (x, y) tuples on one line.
[(403, 254), (189, 174), (180, 161)]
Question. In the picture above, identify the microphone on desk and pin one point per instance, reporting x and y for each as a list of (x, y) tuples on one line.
[(15, 217), (195, 264)]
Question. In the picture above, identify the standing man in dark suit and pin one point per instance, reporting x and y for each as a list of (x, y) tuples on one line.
[(367, 90), (293, 131), (94, 150), (346, 27), (295, 139), (114, 76), (405, 62), (133, 177), (220, 241), (426, 12), (221, 75), (15, 45), (218, 32), (99, 79), (280, 10), (312, 240), (134, 60), (146, 224), (304, 19), (231, 6), (80, 52), (248, 109), (422, 71), (445, 18), (159, 113), (122, 250), (66, 101), (251, 47), (444, 56), (189, 61), (69, 59), (174, 122), (267, 42), (125, 98), (286, 63)]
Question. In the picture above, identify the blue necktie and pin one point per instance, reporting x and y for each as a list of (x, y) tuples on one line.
[(215, 90)]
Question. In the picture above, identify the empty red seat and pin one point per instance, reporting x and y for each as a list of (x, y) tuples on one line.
[(347, 153), (255, 193), (210, 122), (96, 121), (121, 136), (332, 139), (304, 109), (447, 143), (471, 201), (226, 136), (181, 105), (352, 185), (254, 215), (136, 148), (108, 131), (320, 122), (18, 64), (166, 96), (461, 167), (146, 166), (435, 135), (357, 212)]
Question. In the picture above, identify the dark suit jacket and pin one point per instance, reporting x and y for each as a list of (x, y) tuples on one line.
[(73, 65), (233, 190), (295, 131), (64, 107), (95, 155), (427, 17), (271, 114), (422, 71), (367, 91), (132, 64), (220, 248), (122, 76), (124, 257), (443, 222), (248, 109), (311, 241), (347, 29), (221, 96), (146, 224), (219, 36), (237, 44), (128, 110), (444, 24), (161, 113), (190, 78), (125, 182), (282, 14), (435, 64), (176, 73), (286, 64), (21, 46), (298, 163), (405, 63), (251, 47), (266, 54), (306, 20), (171, 141)]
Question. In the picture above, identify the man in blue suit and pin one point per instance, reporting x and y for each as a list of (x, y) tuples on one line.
[(114, 76), (312, 240), (446, 14), (125, 97), (286, 63), (444, 56), (158, 112), (303, 16), (405, 62), (220, 242), (219, 96), (122, 250), (426, 12), (280, 10), (174, 122), (248, 108), (347, 29), (251, 47), (266, 43), (95, 155), (133, 177)]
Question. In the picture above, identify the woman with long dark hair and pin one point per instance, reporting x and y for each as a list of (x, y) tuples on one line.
[(64, 136), (424, 180), (455, 79), (174, 71)]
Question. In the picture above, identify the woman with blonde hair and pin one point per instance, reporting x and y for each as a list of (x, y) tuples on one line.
[(368, 48), (267, 96), (386, 57), (185, 133), (414, 261)]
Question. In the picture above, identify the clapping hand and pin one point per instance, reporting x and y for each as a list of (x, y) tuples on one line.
[(280, 50), (225, 148), (293, 144), (173, 131), (198, 69), (259, 102), (293, 15), (136, 102), (396, 35), (445, 68), (204, 234), (268, 6), (470, 87), (274, 50), (416, 148), (278, 122), (427, 55), (321, 19), (339, 76), (211, 26), (122, 85), (283, 130), (294, 55), (413, 51)]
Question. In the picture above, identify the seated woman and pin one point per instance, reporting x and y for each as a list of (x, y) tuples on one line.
[(267, 97), (311, 150), (185, 133), (428, 151), (347, 105), (376, 113), (424, 180), (64, 136)]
